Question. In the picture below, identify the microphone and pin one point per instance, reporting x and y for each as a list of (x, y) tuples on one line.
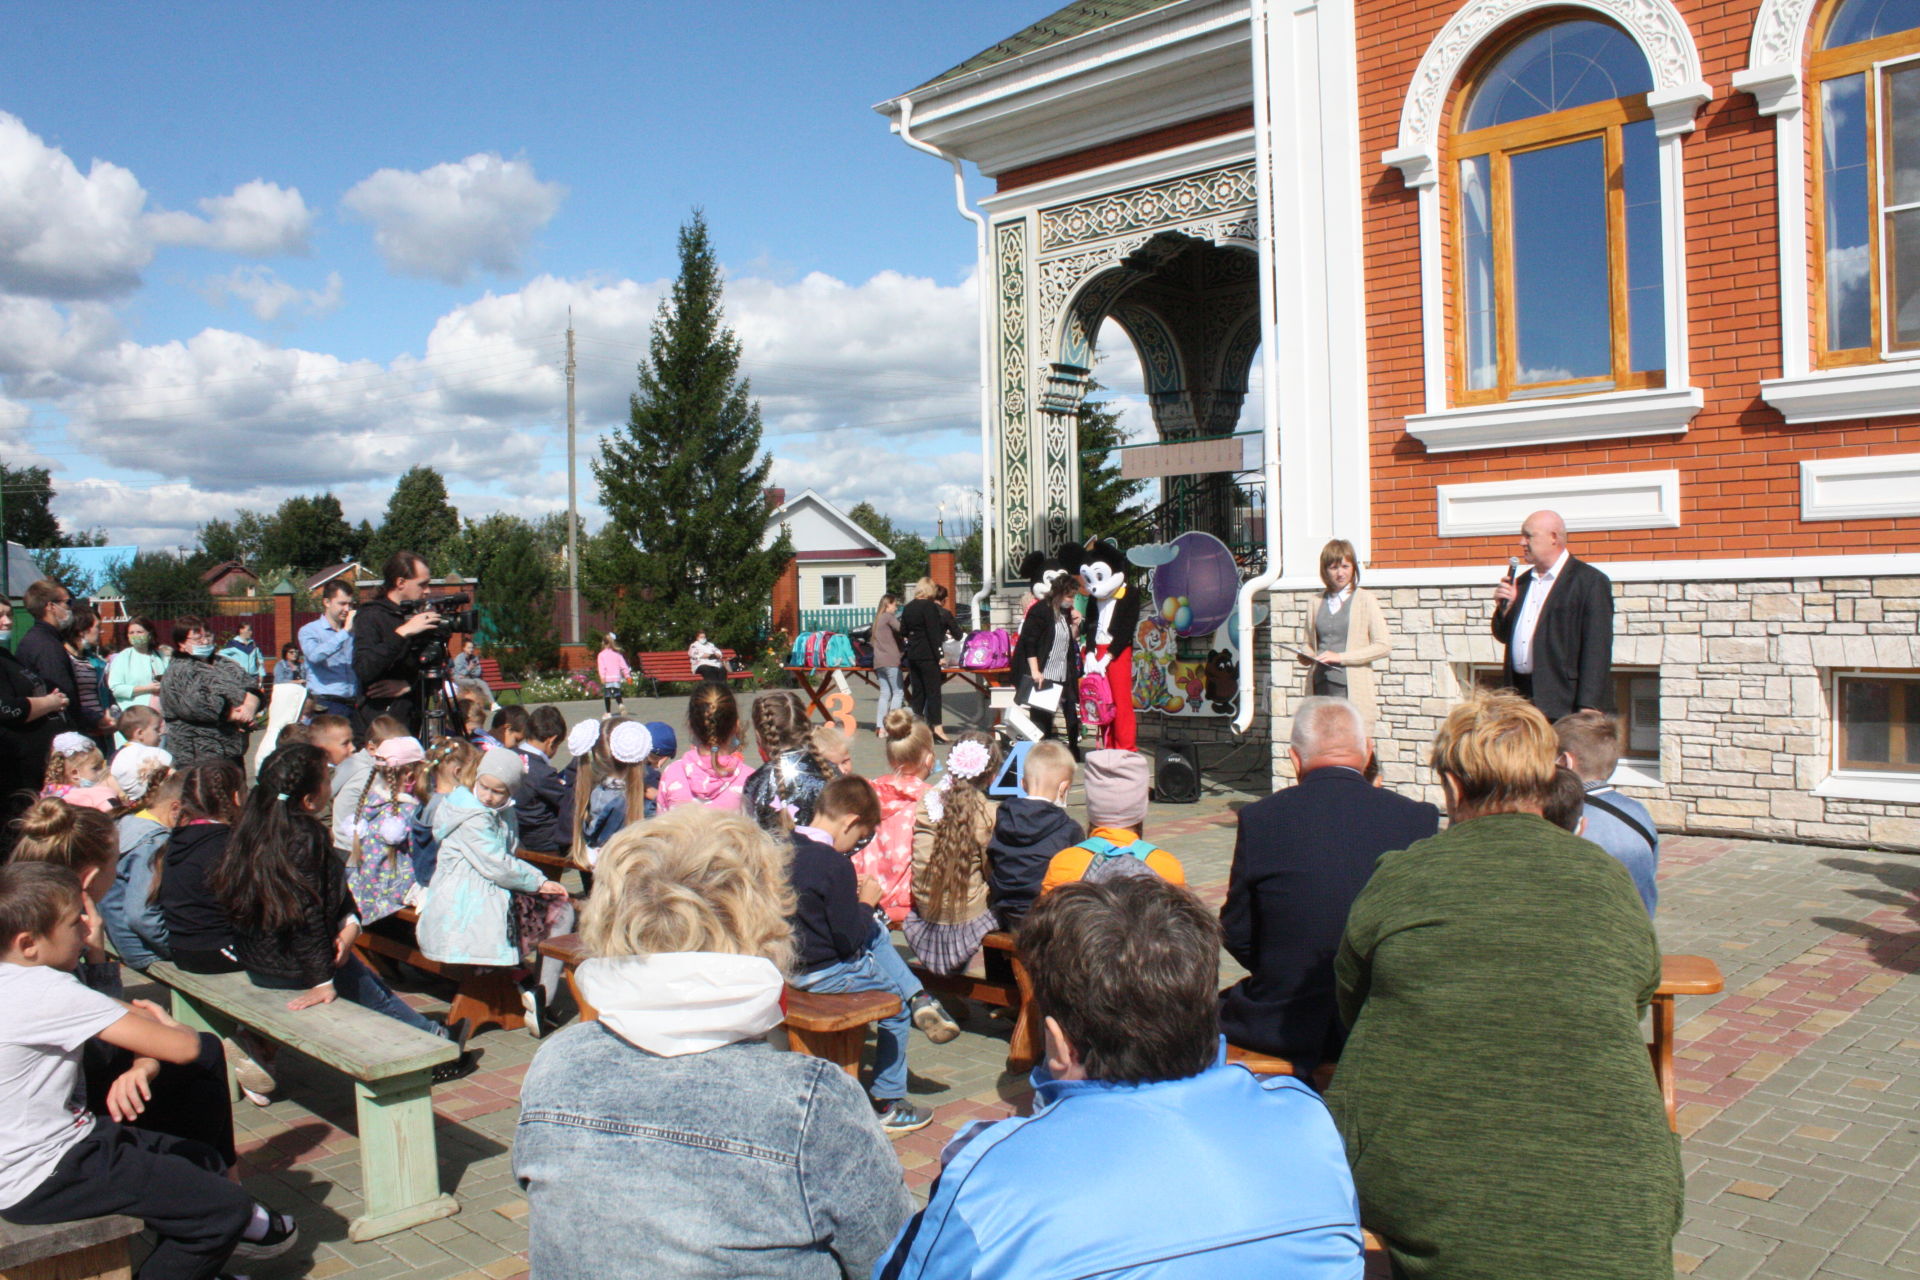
[(1513, 571)]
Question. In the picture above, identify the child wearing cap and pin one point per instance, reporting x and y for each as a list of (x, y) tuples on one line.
[(665, 747), (1116, 784), (379, 865), (138, 768), (617, 767)]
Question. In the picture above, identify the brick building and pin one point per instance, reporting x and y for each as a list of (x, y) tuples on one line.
[(1654, 264)]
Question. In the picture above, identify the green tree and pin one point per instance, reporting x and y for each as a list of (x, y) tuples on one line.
[(307, 532), (1107, 499), (29, 493), (685, 480), (235, 539), (517, 588), (158, 584), (419, 518), (909, 548)]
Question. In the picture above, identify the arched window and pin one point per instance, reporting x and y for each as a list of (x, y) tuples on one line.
[(1558, 280), (1867, 131)]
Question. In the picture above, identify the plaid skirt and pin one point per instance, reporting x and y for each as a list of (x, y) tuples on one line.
[(946, 948)]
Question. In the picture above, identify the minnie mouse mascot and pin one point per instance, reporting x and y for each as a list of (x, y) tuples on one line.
[(1109, 628)]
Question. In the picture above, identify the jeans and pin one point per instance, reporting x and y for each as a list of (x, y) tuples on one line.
[(355, 982), (878, 968), (890, 693)]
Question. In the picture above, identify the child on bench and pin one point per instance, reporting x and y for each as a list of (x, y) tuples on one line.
[(1117, 786), (1029, 831), (840, 946), (58, 1163), (380, 867), (293, 917)]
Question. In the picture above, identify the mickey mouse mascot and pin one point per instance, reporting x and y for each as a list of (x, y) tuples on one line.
[(1109, 627)]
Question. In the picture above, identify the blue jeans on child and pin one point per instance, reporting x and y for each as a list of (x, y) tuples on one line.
[(354, 982), (891, 694), (878, 968)]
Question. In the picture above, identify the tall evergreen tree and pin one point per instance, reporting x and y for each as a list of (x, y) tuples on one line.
[(1107, 499), (684, 480), (419, 518), (517, 590)]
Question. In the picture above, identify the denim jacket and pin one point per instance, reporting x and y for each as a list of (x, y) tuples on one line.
[(134, 923), (736, 1161)]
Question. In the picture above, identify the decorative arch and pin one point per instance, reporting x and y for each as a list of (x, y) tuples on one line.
[(1678, 94)]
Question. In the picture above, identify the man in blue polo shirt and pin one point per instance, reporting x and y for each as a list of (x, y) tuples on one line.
[(327, 644), (1145, 1155)]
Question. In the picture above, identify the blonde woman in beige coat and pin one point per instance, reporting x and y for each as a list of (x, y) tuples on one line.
[(1346, 632)]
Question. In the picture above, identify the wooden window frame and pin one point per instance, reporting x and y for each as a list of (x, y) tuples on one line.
[(1872, 59), (1499, 143), (1896, 729)]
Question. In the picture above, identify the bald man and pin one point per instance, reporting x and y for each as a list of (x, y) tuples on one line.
[(1557, 624)]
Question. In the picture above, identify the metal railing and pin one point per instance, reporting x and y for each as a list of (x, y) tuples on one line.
[(1233, 508)]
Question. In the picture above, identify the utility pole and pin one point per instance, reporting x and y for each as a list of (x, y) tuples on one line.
[(573, 506)]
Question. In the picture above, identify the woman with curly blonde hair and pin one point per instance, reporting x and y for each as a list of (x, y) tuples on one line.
[(951, 829), (1568, 1168), (771, 1156)]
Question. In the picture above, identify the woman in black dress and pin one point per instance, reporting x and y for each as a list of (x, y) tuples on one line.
[(924, 627), (26, 734)]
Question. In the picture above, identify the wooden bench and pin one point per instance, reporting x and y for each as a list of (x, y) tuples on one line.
[(390, 1063), (819, 1024), (90, 1249), (674, 667), (1265, 1064), (484, 995), (1013, 993), (1679, 976), (490, 672)]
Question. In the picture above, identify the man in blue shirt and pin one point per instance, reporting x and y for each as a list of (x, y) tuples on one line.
[(1146, 1154), (1590, 746), (327, 643)]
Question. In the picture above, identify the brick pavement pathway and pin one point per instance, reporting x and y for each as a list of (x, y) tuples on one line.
[(1799, 1083)]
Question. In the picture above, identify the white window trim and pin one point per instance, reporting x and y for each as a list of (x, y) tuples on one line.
[(1893, 488), (853, 589), (1678, 94), (1861, 784), (1586, 502)]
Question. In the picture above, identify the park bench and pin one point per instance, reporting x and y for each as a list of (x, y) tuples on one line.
[(391, 1066), (1011, 991), (490, 672), (674, 667), (831, 1026), (90, 1249), (484, 995)]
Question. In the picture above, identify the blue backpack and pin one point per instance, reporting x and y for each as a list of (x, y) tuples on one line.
[(839, 651)]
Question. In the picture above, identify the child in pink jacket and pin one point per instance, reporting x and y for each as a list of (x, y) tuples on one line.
[(888, 857), (614, 674), (711, 772)]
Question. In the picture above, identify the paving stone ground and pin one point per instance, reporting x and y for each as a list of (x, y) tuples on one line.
[(1800, 1084)]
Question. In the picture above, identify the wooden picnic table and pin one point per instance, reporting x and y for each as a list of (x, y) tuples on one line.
[(817, 683)]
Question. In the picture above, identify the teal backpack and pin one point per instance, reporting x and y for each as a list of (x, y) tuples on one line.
[(1112, 861)]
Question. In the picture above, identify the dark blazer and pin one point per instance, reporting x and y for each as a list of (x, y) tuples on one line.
[(924, 626), (42, 652), (1572, 642), (1301, 857), (544, 801)]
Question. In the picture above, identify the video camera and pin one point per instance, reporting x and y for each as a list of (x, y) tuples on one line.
[(456, 618)]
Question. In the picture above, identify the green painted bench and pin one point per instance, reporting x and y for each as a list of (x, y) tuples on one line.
[(91, 1249), (391, 1065)]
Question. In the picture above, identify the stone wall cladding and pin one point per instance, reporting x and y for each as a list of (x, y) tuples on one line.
[(1746, 722)]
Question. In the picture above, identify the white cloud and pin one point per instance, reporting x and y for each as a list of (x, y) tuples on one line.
[(444, 222), (263, 292), (259, 220), (65, 234)]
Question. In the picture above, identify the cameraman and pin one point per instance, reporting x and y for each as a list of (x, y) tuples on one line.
[(386, 641)]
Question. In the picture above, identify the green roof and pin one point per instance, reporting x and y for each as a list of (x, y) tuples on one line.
[(1077, 19)]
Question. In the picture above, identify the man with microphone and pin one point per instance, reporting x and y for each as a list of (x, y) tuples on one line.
[(1556, 621)]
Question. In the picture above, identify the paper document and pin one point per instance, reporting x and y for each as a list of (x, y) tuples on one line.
[(1047, 699)]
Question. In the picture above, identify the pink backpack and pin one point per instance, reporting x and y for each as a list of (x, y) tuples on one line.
[(987, 650), (1096, 700)]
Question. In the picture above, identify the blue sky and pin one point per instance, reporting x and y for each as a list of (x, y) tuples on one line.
[(248, 251)]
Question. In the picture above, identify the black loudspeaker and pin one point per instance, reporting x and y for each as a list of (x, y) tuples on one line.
[(1176, 772)]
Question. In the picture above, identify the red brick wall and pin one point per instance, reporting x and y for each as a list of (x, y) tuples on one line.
[(1740, 482)]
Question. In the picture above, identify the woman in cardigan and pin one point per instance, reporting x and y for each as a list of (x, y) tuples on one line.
[(1347, 633), (1495, 1095), (923, 629), (1046, 655)]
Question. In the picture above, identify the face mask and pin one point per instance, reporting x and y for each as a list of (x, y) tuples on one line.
[(90, 647), (143, 642), (6, 637), (202, 651)]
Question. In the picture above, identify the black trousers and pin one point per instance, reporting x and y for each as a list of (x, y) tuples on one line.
[(923, 690), (189, 1101), (178, 1188)]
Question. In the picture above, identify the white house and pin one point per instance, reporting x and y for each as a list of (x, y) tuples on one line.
[(842, 568)]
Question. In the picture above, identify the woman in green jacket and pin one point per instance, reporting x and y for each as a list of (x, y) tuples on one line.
[(1496, 1096)]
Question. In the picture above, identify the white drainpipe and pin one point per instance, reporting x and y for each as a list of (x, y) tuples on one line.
[(988, 454), (1270, 389)]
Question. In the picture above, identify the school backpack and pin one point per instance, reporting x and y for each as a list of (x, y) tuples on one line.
[(839, 651), (862, 653), (1111, 861), (809, 649), (1096, 700), (987, 650)]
